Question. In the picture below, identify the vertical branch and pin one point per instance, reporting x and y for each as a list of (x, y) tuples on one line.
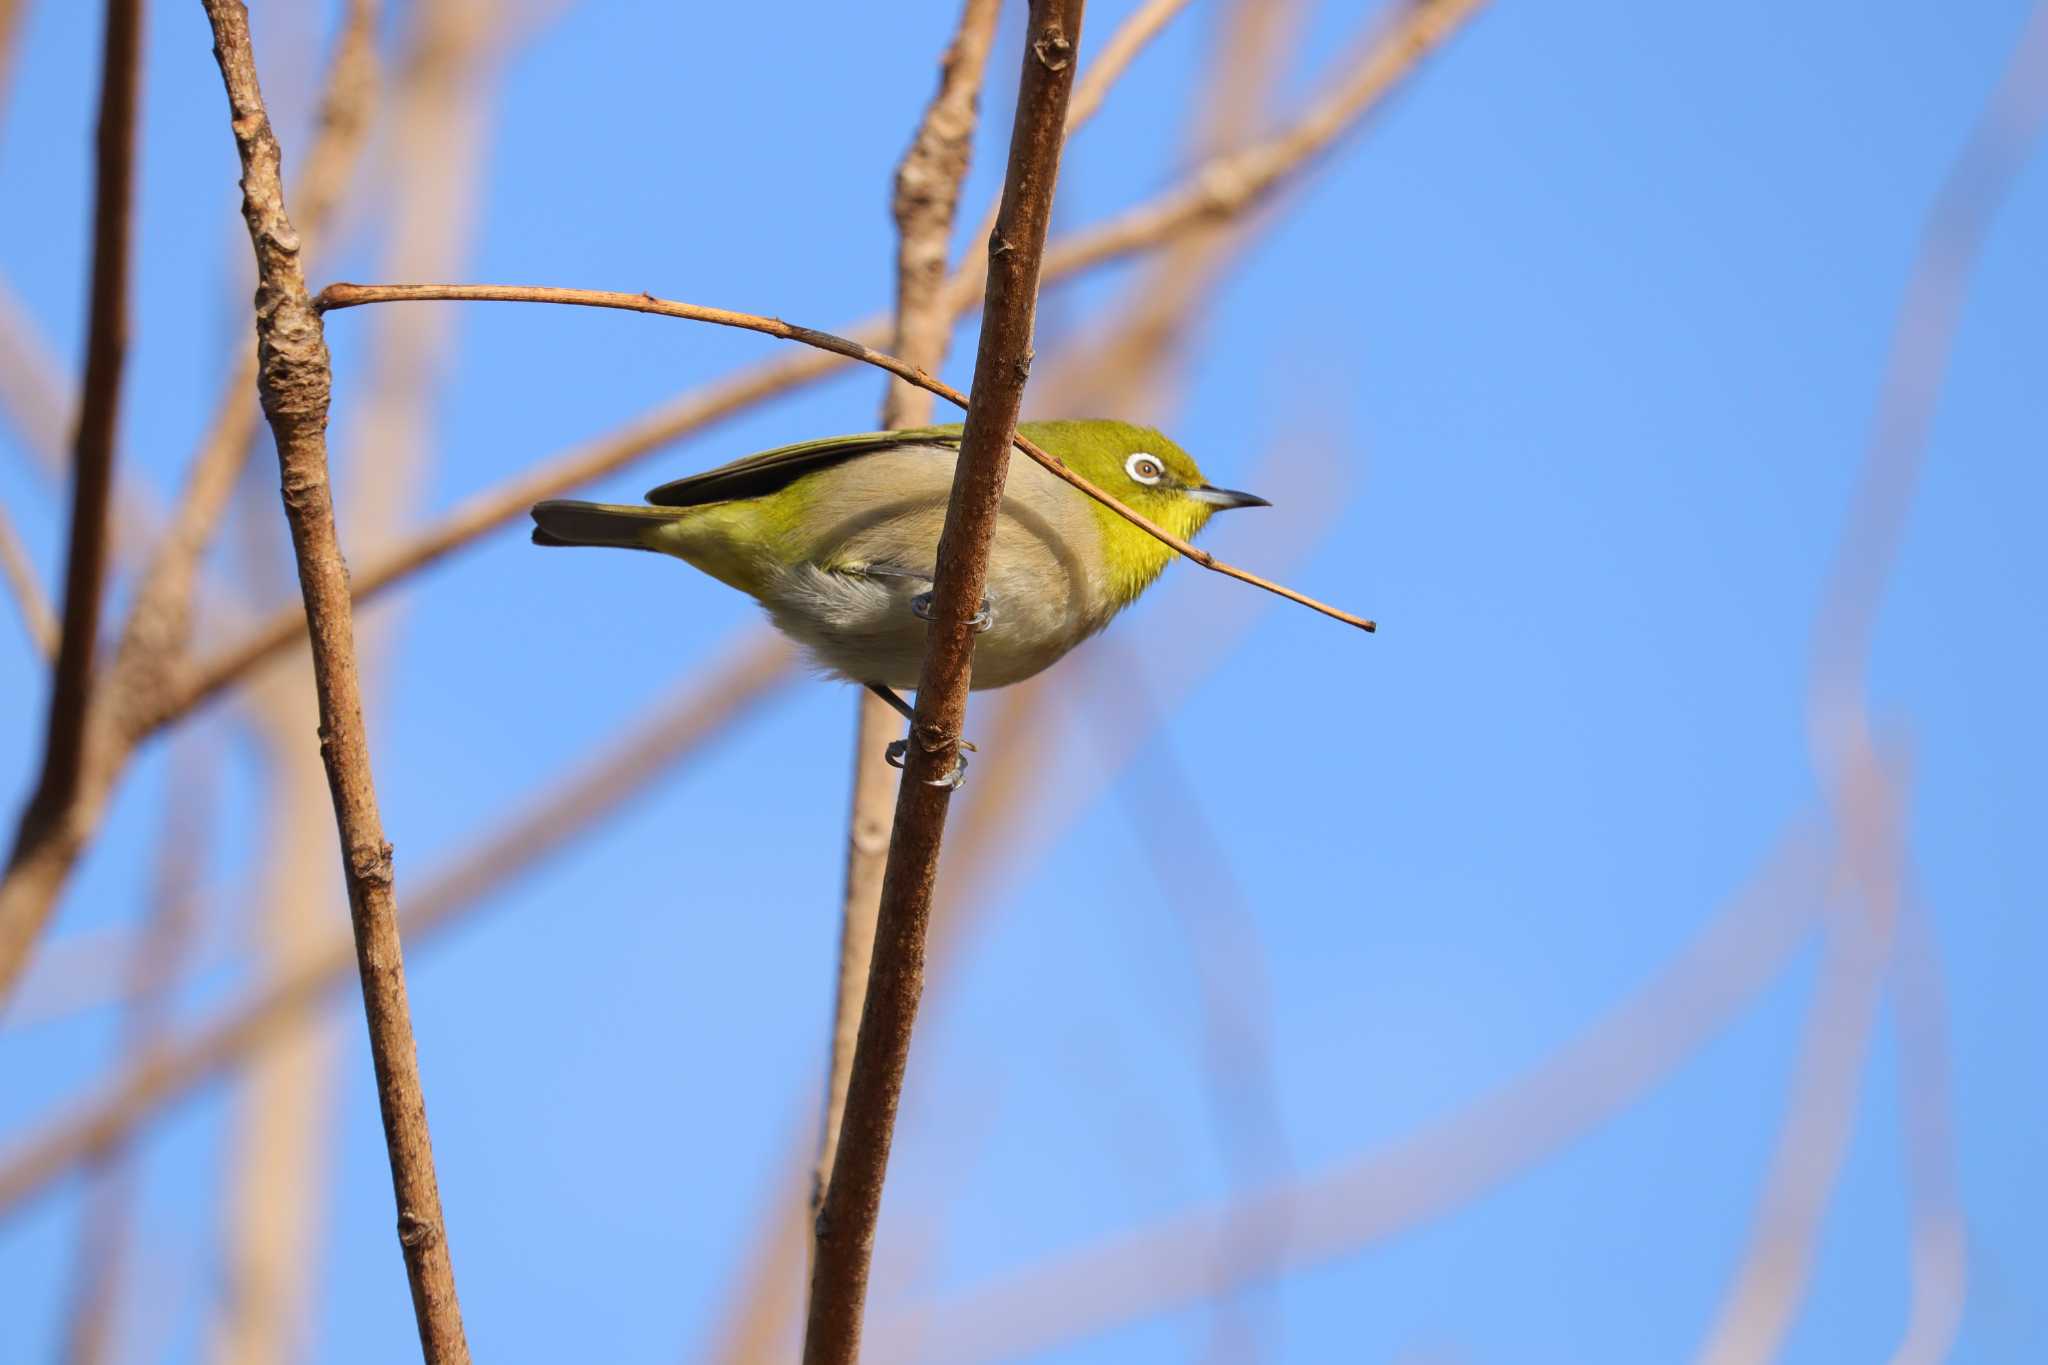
[(92, 471), (294, 383), (846, 1225), (927, 196)]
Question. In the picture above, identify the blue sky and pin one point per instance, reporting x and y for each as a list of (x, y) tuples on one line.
[(1574, 350)]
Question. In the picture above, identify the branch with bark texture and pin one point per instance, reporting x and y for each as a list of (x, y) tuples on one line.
[(338, 296), (844, 1246), (294, 381), (1216, 191), (53, 805), (36, 617), (927, 197)]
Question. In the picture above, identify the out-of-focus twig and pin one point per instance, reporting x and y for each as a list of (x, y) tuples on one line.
[(844, 1247), (1215, 191), (1771, 1281), (704, 709), (153, 639), (152, 970), (36, 616), (28, 885), (295, 381), (1421, 1176), (32, 387), (927, 194)]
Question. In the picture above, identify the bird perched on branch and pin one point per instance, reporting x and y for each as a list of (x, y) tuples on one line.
[(838, 539)]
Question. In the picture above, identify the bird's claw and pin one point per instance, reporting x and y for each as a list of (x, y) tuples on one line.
[(921, 607), (898, 753)]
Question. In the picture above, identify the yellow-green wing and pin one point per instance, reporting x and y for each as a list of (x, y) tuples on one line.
[(759, 475)]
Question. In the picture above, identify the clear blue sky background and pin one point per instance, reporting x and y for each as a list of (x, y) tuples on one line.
[(1596, 313)]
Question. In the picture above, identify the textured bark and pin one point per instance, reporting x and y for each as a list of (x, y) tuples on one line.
[(853, 1200), (294, 383), (926, 199)]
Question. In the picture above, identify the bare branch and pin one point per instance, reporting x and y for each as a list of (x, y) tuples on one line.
[(294, 381), (154, 637), (574, 805), (337, 296), (29, 599), (927, 195), (64, 762), (853, 1201), (1215, 191)]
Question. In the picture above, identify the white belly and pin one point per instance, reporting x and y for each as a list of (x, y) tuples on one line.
[(1044, 595)]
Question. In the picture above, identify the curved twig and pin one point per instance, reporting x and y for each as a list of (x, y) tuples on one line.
[(338, 296)]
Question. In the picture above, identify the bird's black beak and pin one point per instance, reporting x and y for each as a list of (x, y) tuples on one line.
[(1226, 497)]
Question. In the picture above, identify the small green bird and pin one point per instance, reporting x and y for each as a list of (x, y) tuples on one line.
[(838, 539)]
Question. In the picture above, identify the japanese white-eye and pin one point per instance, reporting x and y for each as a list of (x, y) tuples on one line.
[(837, 538)]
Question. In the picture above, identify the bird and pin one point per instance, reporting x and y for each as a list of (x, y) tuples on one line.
[(838, 538)]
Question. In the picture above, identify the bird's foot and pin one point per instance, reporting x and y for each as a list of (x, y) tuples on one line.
[(921, 607), (898, 753)]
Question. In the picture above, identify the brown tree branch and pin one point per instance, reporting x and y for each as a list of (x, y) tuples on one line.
[(51, 806), (294, 381), (338, 296), (926, 198), (22, 585), (574, 805), (846, 1225), (154, 637), (1215, 191)]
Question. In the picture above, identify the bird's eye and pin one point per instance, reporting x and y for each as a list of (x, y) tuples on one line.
[(1145, 468)]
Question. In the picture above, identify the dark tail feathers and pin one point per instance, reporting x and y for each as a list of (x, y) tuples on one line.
[(563, 522)]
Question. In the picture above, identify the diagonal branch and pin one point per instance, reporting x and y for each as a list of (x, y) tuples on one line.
[(337, 296), (22, 915), (926, 199), (294, 381), (36, 617), (153, 640), (575, 804), (1215, 191), (846, 1225)]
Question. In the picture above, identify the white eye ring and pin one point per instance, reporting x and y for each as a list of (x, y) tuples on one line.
[(1145, 467)]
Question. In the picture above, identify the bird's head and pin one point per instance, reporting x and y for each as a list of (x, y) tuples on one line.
[(1148, 473)]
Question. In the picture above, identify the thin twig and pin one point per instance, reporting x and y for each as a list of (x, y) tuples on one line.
[(1131, 37), (927, 195), (338, 296), (23, 913), (1213, 192), (846, 1226), (575, 804), (295, 381), (22, 585)]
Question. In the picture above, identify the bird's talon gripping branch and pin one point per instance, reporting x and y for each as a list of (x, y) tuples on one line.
[(921, 607), (898, 753)]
